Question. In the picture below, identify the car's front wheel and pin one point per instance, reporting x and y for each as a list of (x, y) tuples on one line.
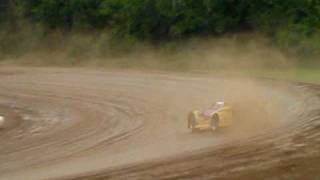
[(191, 121), (214, 122)]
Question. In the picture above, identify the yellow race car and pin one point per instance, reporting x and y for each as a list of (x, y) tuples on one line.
[(218, 115)]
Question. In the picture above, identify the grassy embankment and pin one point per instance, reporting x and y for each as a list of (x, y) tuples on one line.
[(299, 74)]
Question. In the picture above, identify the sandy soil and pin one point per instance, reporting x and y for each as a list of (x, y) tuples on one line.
[(90, 124)]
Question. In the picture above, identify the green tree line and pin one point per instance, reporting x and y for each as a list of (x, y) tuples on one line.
[(291, 23)]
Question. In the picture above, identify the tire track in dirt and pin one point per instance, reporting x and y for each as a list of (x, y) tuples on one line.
[(78, 123)]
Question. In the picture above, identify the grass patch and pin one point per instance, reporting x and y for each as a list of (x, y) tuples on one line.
[(297, 74)]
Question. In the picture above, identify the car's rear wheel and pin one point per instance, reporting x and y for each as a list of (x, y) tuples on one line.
[(214, 122), (191, 121)]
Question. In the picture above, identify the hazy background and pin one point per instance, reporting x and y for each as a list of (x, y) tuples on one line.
[(279, 37)]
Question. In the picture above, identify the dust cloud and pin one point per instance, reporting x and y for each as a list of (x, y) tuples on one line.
[(230, 58), (231, 53), (117, 117)]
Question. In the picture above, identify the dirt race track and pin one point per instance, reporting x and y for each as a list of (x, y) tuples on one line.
[(89, 124)]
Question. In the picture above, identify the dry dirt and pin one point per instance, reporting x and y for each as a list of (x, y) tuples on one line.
[(90, 124)]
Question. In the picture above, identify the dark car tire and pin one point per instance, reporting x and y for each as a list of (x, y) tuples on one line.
[(191, 121), (214, 122)]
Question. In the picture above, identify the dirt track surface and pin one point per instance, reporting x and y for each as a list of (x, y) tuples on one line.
[(86, 124)]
